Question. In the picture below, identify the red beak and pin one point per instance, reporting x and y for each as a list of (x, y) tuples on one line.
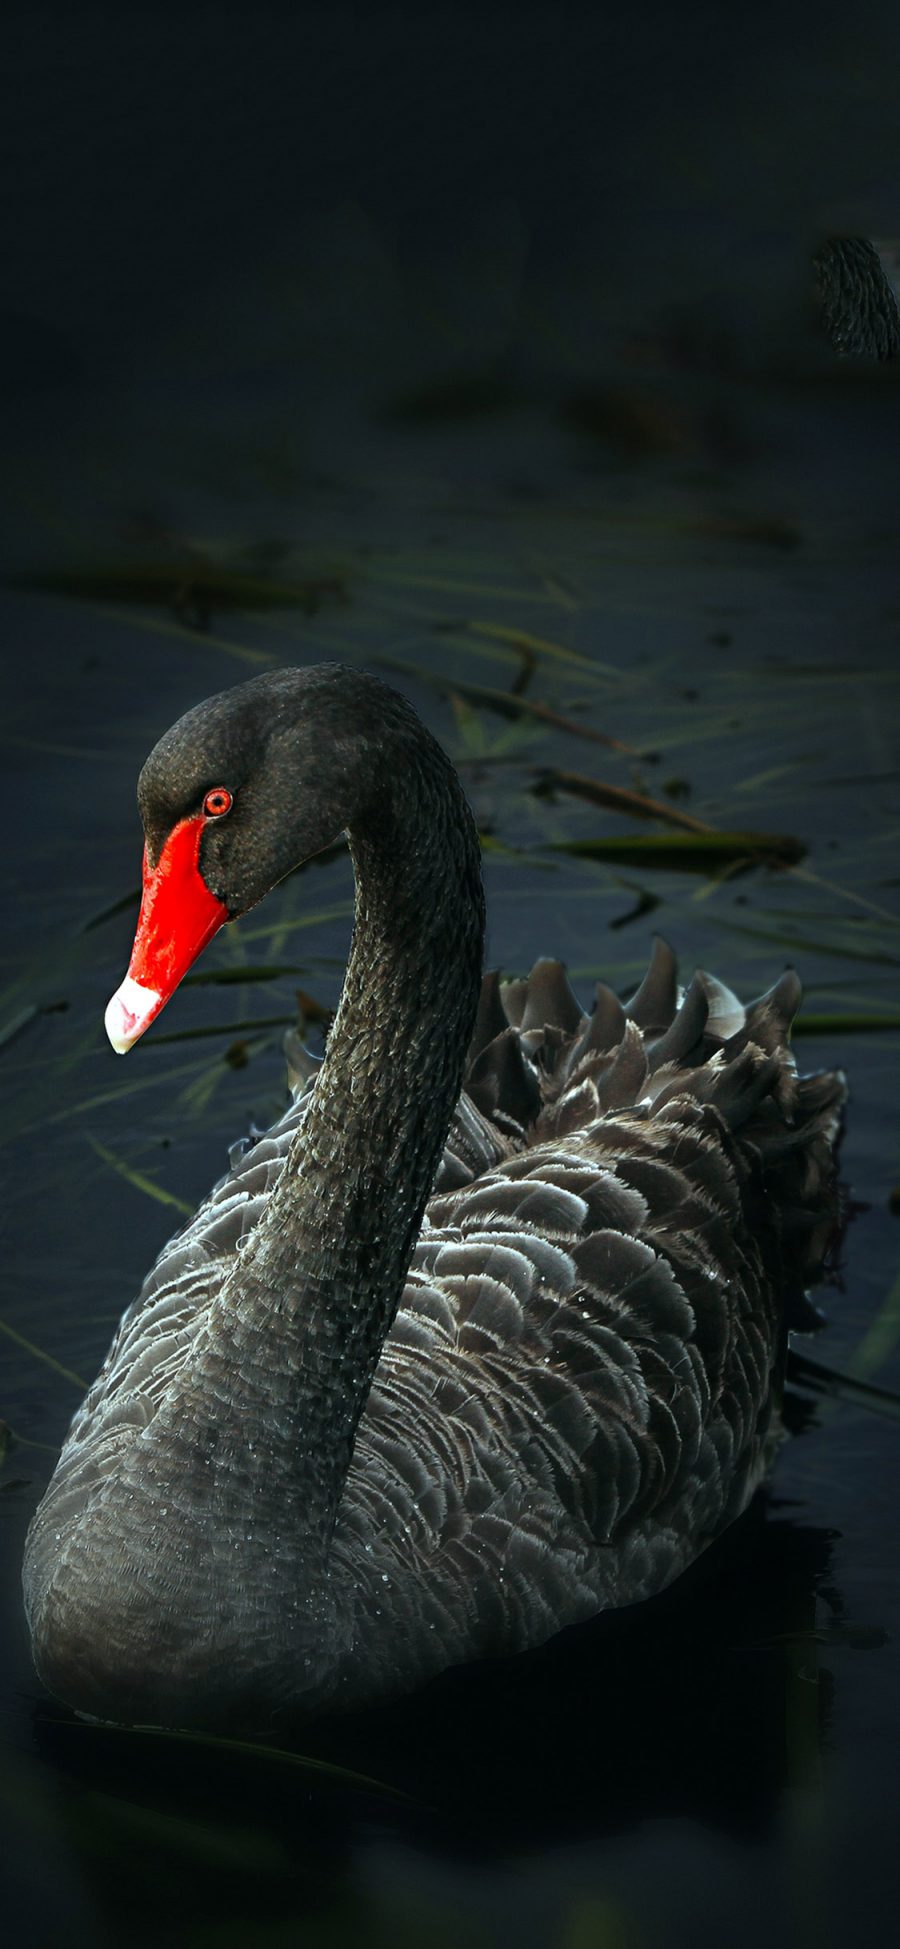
[(178, 917)]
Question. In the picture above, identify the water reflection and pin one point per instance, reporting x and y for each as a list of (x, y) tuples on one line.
[(677, 1707), (704, 1706)]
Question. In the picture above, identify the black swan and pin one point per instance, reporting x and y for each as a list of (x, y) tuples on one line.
[(485, 1335)]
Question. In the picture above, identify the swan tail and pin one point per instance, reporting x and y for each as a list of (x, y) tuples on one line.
[(540, 1068)]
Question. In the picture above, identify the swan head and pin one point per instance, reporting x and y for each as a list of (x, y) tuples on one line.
[(238, 792)]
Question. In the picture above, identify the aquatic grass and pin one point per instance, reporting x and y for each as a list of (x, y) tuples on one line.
[(39, 1353), (550, 814), (787, 935), (599, 1922), (847, 893), (494, 847), (191, 638), (260, 971), (25, 997), (286, 918), (824, 677), (116, 1093), (500, 643), (455, 637), (424, 625), (138, 1179), (691, 852), (111, 910), (614, 798), (470, 726), (505, 702), (276, 930), (278, 939), (845, 1023), (853, 1384), (251, 1025), (19, 1020), (821, 1378), (645, 902), (202, 581), (763, 780), (480, 743), (304, 636), (76, 1048), (621, 975), (879, 926), (10, 1439), (880, 1338), (157, 1841), (596, 886), (677, 729), (244, 1749), (512, 740), (539, 646), (854, 992), (461, 586), (194, 1100), (91, 754), (708, 889)]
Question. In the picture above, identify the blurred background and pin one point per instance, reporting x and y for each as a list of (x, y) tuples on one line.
[(248, 256), (479, 346)]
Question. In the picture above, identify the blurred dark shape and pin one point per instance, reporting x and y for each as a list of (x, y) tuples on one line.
[(688, 336), (859, 309), (635, 422), (459, 395), (772, 531), (35, 355)]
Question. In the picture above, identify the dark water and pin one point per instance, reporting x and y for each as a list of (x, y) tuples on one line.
[(507, 461)]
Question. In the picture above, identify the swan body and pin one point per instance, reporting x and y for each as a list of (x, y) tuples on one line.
[(484, 1336)]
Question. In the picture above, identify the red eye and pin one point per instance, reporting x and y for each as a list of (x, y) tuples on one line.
[(217, 802)]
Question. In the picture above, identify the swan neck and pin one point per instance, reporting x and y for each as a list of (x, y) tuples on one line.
[(333, 1250)]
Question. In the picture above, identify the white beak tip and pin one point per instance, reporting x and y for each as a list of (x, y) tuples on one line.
[(129, 1012)]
